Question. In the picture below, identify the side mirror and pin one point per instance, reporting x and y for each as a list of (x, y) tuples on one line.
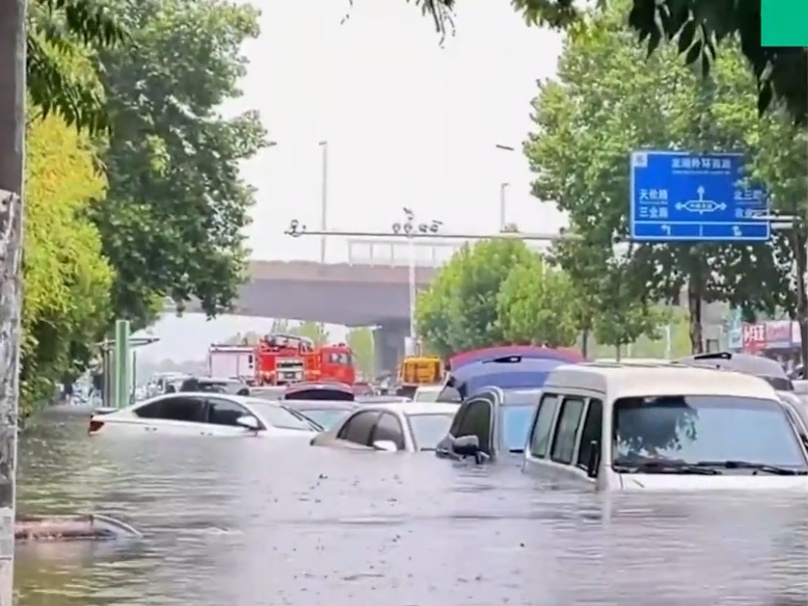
[(248, 422), (466, 446), (593, 462), (385, 445)]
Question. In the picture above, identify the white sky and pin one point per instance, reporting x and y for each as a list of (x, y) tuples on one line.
[(408, 124)]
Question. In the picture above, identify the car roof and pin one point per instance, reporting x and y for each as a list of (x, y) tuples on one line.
[(640, 380), (244, 400), (750, 364), (414, 408), (318, 404), (218, 380)]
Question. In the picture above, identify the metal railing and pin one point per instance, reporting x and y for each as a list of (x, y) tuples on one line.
[(396, 253)]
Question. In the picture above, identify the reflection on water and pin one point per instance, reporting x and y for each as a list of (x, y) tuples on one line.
[(249, 522)]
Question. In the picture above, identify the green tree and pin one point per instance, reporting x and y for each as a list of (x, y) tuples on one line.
[(67, 281), (459, 311), (696, 27), (61, 65), (360, 340), (536, 304), (316, 331), (607, 103), (172, 222)]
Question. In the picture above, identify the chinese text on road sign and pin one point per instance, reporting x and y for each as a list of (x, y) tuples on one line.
[(685, 196)]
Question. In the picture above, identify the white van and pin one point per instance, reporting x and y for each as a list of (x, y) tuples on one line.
[(664, 427)]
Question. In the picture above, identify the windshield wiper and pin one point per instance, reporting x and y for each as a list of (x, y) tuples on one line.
[(663, 466), (772, 469)]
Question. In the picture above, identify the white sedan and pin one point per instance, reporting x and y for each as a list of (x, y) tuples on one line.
[(391, 427), (207, 414)]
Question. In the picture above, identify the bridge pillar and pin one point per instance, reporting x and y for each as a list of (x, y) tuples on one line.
[(388, 345)]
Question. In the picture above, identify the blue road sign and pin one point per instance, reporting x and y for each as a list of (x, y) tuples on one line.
[(686, 196)]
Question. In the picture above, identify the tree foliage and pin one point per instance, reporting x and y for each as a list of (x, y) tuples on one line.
[(460, 311), (172, 221), (695, 27), (360, 340), (316, 331), (607, 102), (62, 35), (537, 304), (67, 280)]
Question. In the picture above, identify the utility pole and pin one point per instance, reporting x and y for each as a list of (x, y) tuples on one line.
[(12, 163)]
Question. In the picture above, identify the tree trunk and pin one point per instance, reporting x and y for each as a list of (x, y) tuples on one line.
[(585, 343), (694, 301), (12, 152), (802, 298)]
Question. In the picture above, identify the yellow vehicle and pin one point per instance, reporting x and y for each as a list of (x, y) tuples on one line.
[(418, 370)]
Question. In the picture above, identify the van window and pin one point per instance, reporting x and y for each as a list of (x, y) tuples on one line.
[(592, 432), (542, 428), (569, 419)]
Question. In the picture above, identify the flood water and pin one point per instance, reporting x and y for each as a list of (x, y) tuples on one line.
[(249, 522)]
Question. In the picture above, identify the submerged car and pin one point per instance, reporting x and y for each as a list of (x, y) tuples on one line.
[(391, 427), (666, 427), (204, 414), (511, 367), (213, 385), (499, 420), (326, 413), (769, 370), (336, 392)]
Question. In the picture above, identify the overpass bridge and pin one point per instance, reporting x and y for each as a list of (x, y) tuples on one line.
[(371, 288)]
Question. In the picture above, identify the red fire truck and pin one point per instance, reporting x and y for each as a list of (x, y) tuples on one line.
[(284, 359)]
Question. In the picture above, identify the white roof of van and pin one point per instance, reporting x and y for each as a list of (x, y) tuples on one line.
[(639, 380)]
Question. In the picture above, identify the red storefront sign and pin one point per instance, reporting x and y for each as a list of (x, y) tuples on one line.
[(754, 337)]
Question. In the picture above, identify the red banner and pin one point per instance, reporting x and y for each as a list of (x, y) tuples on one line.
[(754, 338)]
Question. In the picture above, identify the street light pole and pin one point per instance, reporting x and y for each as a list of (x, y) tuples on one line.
[(503, 189), (323, 198)]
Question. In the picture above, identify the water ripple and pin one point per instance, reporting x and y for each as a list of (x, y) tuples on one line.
[(253, 523)]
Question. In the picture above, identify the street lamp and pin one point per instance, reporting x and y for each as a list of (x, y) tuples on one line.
[(503, 188), (410, 228)]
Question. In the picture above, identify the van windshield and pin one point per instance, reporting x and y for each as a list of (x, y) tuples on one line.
[(694, 429)]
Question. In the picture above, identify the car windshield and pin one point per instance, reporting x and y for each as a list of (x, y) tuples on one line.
[(325, 417), (516, 422), (694, 429), (427, 395), (280, 417), (429, 428)]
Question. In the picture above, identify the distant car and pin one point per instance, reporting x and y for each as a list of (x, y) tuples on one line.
[(273, 393), (499, 419), (427, 393), (214, 385), (391, 427), (381, 399), (204, 413), (326, 413), (319, 391), (769, 370)]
